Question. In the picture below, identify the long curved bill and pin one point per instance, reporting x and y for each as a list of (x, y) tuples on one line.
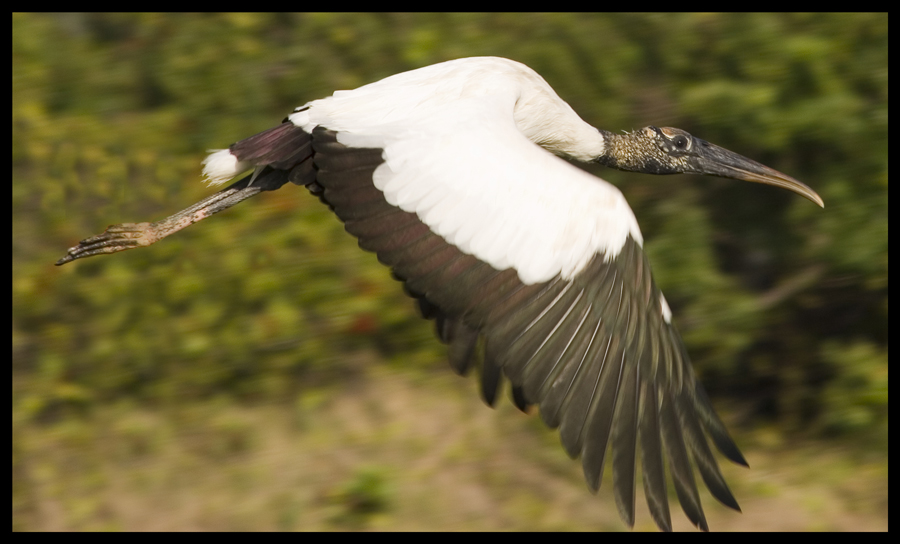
[(717, 161)]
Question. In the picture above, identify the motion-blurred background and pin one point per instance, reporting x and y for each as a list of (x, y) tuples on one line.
[(259, 372)]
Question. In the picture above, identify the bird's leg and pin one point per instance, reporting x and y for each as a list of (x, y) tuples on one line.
[(132, 235)]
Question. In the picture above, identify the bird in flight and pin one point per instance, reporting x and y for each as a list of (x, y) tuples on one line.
[(531, 267)]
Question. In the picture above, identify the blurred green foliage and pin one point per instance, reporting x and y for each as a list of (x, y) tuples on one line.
[(783, 306), (365, 495)]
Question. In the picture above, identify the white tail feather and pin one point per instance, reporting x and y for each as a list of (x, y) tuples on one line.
[(220, 166)]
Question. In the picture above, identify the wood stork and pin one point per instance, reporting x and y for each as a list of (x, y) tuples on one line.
[(534, 268)]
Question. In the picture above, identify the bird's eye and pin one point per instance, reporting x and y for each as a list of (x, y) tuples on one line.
[(680, 142)]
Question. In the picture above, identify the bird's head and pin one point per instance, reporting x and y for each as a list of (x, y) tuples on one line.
[(668, 150)]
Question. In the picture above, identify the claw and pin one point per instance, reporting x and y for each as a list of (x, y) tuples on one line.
[(115, 238)]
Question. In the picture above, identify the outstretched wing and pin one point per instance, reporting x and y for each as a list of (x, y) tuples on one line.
[(560, 290)]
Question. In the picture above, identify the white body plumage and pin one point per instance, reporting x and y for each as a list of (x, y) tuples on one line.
[(469, 146)]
